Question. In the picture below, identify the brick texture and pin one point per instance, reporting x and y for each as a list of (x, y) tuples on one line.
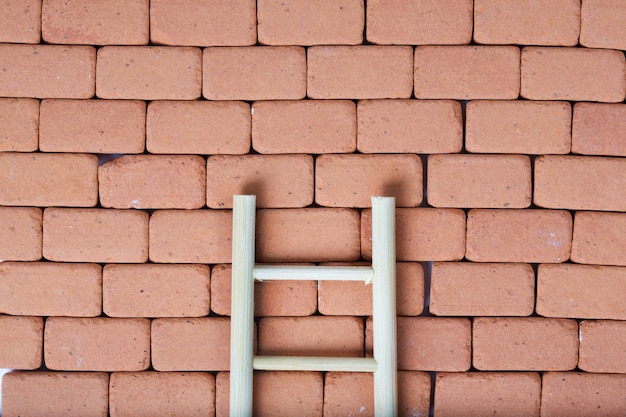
[(599, 129), (19, 124), (21, 233), (601, 346), (21, 344), (599, 238), (20, 21), (601, 24)]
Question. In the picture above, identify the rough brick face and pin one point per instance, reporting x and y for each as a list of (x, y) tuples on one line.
[(599, 129), (21, 344), (602, 346), (602, 24), (20, 21), (599, 238), (20, 233), (19, 124)]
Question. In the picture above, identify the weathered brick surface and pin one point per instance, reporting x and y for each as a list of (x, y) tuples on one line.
[(599, 129), (20, 21), (50, 289), (19, 124), (601, 24), (21, 344), (599, 238), (602, 346), (21, 233)]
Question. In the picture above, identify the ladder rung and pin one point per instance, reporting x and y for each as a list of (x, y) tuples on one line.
[(313, 363), (306, 272)]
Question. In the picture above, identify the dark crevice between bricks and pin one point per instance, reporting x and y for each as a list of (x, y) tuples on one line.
[(428, 268)]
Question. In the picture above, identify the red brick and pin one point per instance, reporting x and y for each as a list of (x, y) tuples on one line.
[(518, 235), (599, 238), (271, 298), (422, 234), (488, 181), (21, 342), (193, 344), (311, 23), (93, 22), (149, 73), (48, 71), (48, 179), (351, 180), (71, 394), (20, 21), (254, 73), (305, 126), (190, 236), (151, 181), (409, 126), (307, 235), (493, 393), (350, 298), (482, 289), (524, 344), (574, 74), (358, 72), (602, 346), (311, 336), (580, 182), (203, 23), (429, 22), (92, 126), (21, 233), (278, 181), (97, 344), (602, 24), (95, 235), (198, 127), (527, 22), (51, 289), (156, 290), (176, 394), (19, 124), (514, 126), (599, 129), (467, 72), (582, 394)]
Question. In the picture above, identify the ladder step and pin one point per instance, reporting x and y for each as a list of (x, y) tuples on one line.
[(313, 363), (305, 272)]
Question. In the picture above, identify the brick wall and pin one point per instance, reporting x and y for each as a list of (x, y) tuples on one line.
[(127, 125)]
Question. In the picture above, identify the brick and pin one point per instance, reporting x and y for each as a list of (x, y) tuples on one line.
[(95, 235), (359, 72), (351, 180), (21, 233), (516, 126), (580, 182), (422, 234), (307, 235), (527, 22), (271, 298), (20, 21), (47, 71), (574, 74), (97, 344), (198, 127), (599, 238), (278, 181), (582, 394), (92, 126), (519, 235), (21, 344), (203, 23), (305, 126), (488, 181), (175, 394), (493, 393), (19, 124), (151, 181), (409, 126), (350, 298), (48, 179), (190, 236), (601, 24), (524, 344), (149, 73), (311, 336), (482, 289), (467, 72), (311, 23), (599, 129), (51, 289), (429, 22), (192, 344), (581, 291), (254, 73), (602, 346), (71, 394), (93, 22), (151, 290)]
